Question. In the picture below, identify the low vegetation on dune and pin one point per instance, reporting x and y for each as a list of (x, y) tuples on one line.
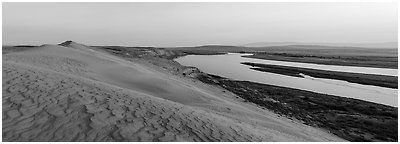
[(351, 119)]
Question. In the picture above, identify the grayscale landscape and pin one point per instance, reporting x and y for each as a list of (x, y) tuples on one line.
[(149, 72)]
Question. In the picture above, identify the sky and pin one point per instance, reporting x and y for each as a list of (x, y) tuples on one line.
[(193, 24)]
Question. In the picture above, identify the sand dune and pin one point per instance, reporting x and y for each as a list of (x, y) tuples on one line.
[(76, 93)]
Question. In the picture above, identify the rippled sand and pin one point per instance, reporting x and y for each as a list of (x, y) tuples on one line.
[(57, 93)]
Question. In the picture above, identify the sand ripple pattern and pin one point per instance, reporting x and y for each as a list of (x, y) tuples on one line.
[(56, 63), (39, 105), (56, 93)]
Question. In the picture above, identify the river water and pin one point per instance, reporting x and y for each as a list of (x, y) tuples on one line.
[(229, 66)]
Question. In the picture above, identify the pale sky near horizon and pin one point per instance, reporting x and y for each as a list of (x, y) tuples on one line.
[(191, 24)]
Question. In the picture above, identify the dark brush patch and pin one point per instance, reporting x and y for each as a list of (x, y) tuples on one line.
[(351, 119)]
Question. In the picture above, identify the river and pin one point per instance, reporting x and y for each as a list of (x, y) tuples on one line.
[(229, 65)]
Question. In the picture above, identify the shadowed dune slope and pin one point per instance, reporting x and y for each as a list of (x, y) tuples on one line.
[(76, 93)]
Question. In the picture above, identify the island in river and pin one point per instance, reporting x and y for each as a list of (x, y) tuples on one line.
[(366, 79)]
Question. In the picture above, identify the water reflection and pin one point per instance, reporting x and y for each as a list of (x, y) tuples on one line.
[(229, 66)]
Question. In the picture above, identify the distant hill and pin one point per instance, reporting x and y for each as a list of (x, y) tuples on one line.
[(364, 45), (223, 48), (294, 49)]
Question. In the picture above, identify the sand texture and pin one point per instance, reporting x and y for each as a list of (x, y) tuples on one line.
[(77, 93)]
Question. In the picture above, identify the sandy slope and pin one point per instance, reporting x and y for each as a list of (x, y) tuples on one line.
[(57, 93)]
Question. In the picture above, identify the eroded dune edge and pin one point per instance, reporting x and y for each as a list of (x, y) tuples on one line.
[(70, 93)]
